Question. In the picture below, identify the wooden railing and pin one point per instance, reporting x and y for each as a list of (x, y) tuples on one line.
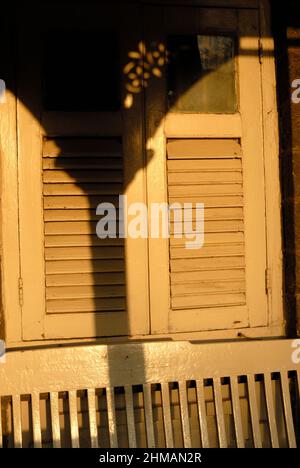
[(169, 394)]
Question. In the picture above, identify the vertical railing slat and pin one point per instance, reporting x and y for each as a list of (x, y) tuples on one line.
[(36, 420), (111, 412), (17, 424), (184, 411), (167, 415), (202, 413), (92, 417), (130, 416), (73, 418), (254, 411), (236, 406), (54, 410), (271, 410), (149, 415), (288, 409), (220, 413)]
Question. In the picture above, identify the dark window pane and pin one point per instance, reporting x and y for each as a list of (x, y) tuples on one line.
[(201, 74), (81, 71)]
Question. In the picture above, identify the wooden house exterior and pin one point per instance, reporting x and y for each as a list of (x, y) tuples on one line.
[(171, 103)]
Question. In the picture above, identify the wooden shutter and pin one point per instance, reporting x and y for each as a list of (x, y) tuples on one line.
[(76, 285), (83, 273), (214, 157), (209, 172)]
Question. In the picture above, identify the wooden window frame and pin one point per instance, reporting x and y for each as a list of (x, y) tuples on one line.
[(268, 242), (11, 285)]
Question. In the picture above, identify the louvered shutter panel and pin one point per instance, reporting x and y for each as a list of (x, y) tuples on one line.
[(83, 273), (209, 172)]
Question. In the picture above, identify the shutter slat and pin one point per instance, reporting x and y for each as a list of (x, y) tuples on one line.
[(85, 305), (84, 253), (203, 148), (83, 240), (80, 279), (211, 263), (209, 226), (81, 176), (213, 239), (208, 251), (212, 300), (192, 178), (229, 192), (210, 214), (187, 289), (103, 188), (73, 227), (69, 292), (210, 199), (78, 202), (77, 215), (84, 266), (194, 277), (82, 163), (194, 165), (70, 215), (90, 147)]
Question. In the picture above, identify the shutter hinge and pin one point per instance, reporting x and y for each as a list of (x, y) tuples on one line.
[(21, 297), (267, 280), (260, 51)]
